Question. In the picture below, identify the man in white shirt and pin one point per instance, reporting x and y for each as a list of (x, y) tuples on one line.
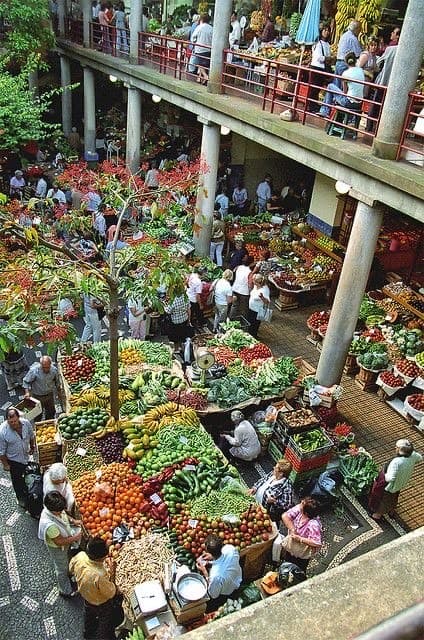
[(41, 188), (202, 39), (56, 193), (224, 202), (263, 192), (194, 292), (241, 289), (235, 32), (223, 297), (220, 565)]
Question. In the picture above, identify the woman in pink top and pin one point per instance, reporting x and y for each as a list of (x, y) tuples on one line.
[(305, 527), (104, 21)]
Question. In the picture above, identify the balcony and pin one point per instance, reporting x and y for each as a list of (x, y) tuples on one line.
[(274, 86)]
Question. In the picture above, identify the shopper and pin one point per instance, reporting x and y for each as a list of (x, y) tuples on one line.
[(237, 255), (41, 382), (351, 98), (223, 296), (222, 202), (194, 292), (55, 529), (321, 55), (348, 43), (151, 181), (93, 324), (304, 532), (241, 289), (17, 184), (263, 193), (41, 188), (56, 479), (179, 315), (240, 200), (244, 444), (385, 491), (137, 318), (220, 565), (274, 492), (17, 443), (202, 39), (259, 297), (217, 238), (94, 572), (57, 193)]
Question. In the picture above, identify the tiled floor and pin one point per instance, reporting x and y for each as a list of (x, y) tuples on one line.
[(376, 425)]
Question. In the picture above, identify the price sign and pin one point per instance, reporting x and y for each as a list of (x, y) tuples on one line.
[(155, 498), (183, 440), (81, 452), (79, 362), (192, 523), (189, 467)]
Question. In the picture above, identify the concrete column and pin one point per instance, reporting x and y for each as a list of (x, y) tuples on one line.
[(404, 74), (221, 30), (133, 129), (89, 111), (86, 19), (349, 294), (209, 155), (61, 17), (65, 79), (135, 28)]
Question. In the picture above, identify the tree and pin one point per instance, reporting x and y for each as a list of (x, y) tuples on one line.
[(50, 268), (21, 117), (31, 35)]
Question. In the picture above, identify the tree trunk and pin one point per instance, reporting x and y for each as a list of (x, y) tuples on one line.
[(113, 313)]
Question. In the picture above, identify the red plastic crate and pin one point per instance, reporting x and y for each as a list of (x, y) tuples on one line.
[(307, 464)]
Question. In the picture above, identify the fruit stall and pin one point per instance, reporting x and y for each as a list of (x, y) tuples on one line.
[(387, 352)]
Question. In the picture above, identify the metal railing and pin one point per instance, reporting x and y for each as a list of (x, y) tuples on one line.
[(273, 85), (277, 85), (411, 147), (75, 30), (110, 39), (171, 56)]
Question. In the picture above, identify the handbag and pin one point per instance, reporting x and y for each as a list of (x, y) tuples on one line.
[(265, 313), (297, 549), (377, 491)]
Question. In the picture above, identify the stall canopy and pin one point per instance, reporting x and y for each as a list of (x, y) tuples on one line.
[(308, 30)]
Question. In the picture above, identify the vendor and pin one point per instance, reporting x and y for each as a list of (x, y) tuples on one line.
[(244, 444), (220, 565)]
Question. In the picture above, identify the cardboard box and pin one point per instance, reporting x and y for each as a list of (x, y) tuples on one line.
[(30, 408)]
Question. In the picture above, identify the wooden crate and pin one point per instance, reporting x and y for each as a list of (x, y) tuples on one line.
[(326, 400), (48, 452)]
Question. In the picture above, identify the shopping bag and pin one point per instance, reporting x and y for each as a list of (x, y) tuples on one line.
[(265, 313)]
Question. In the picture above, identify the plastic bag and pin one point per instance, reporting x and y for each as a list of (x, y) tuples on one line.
[(258, 417), (102, 490), (271, 413), (232, 485), (122, 534)]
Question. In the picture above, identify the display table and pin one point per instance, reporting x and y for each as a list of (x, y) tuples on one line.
[(404, 303), (289, 298)]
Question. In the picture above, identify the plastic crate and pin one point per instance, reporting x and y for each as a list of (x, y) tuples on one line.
[(284, 425), (301, 466), (275, 452), (303, 477), (304, 455)]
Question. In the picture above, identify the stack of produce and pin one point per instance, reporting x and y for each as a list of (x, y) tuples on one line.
[(359, 471), (82, 455), (414, 405), (317, 319), (83, 422), (309, 453), (407, 369), (78, 368), (142, 560), (409, 341)]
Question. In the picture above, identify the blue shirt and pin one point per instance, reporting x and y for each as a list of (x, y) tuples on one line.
[(41, 383), (348, 42), (12, 445), (225, 573)]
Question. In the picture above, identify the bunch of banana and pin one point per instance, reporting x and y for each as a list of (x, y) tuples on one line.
[(111, 426), (31, 235), (138, 439), (89, 398), (125, 395), (153, 417), (369, 14), (346, 11)]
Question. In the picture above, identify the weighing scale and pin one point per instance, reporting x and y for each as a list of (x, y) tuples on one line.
[(204, 360), (148, 598)]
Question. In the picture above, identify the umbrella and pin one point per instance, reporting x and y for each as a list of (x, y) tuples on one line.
[(308, 30)]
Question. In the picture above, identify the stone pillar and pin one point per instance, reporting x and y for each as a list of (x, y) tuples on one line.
[(221, 30), (349, 294), (404, 74), (86, 20), (61, 17), (209, 155), (133, 129), (89, 111), (65, 80), (135, 28)]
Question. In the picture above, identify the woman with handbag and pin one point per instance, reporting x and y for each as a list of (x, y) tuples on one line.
[(321, 61), (259, 302), (304, 536)]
